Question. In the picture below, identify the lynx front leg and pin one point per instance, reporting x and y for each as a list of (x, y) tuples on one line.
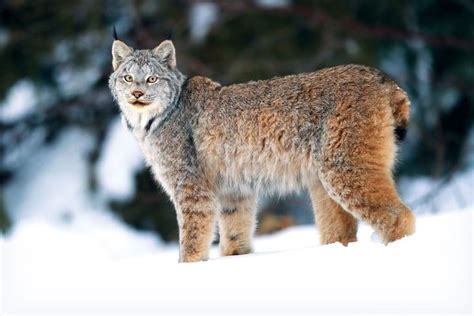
[(196, 219), (237, 225)]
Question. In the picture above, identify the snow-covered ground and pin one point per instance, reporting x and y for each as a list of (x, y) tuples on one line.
[(50, 269), (67, 254)]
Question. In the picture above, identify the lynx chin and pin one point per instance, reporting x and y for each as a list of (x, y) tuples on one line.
[(214, 149)]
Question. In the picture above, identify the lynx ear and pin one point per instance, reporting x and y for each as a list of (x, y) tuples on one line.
[(166, 53), (120, 51)]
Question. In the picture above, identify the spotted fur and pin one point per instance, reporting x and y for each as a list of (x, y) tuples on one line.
[(215, 149)]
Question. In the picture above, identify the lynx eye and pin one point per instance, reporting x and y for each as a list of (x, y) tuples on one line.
[(128, 78), (151, 79)]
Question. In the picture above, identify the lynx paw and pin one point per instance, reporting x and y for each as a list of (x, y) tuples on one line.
[(235, 250), (191, 258), (404, 226)]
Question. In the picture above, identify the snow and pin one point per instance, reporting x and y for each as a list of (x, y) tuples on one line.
[(273, 3), (19, 102), (67, 253), (53, 183), (4, 37), (202, 16), (53, 269), (13, 157), (52, 190), (426, 195), (76, 81), (120, 160)]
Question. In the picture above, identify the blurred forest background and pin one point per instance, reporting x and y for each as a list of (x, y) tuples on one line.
[(63, 149)]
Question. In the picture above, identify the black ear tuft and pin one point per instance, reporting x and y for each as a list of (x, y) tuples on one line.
[(169, 36), (115, 33)]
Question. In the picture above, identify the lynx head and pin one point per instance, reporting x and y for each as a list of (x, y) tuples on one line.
[(144, 80)]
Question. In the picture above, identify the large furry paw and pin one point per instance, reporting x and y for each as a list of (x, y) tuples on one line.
[(404, 226), (344, 240), (235, 250), (192, 258)]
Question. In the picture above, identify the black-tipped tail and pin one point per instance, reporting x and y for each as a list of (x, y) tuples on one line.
[(400, 133)]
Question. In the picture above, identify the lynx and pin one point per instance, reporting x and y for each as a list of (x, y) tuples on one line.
[(214, 149)]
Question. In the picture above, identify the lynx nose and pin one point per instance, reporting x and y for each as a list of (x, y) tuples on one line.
[(137, 93)]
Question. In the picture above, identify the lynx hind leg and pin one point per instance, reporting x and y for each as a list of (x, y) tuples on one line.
[(356, 167), (335, 224), (237, 221), (371, 197)]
